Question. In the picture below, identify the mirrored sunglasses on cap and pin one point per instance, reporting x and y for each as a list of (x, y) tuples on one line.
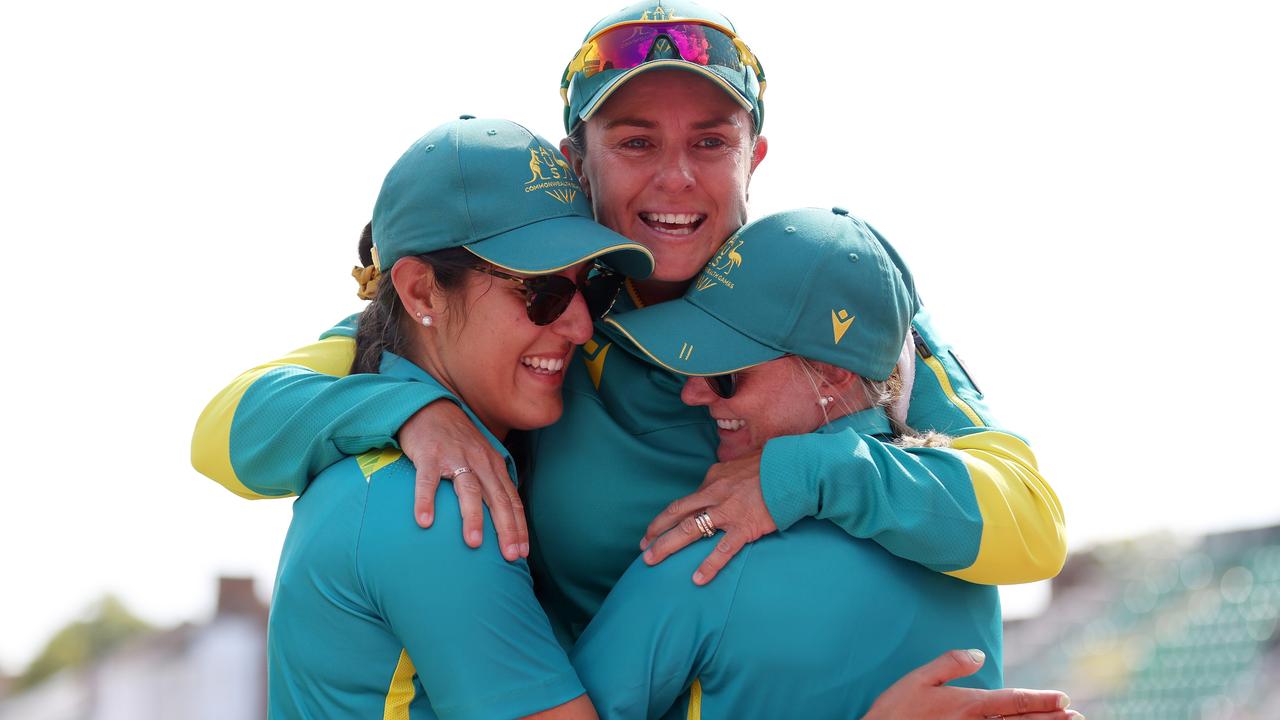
[(628, 45), (546, 297)]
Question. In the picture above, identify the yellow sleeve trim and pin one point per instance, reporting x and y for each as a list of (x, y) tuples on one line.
[(400, 693), (1023, 529), (944, 381), (211, 442), (695, 700)]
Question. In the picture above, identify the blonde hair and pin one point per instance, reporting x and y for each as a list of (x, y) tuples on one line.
[(877, 393)]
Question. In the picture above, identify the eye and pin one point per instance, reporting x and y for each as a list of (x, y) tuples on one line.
[(711, 143), (634, 144)]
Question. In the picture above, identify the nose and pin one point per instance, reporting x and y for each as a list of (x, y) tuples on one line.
[(696, 392), (575, 324), (676, 172)]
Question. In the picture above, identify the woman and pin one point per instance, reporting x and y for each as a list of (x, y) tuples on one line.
[(478, 302), (795, 326)]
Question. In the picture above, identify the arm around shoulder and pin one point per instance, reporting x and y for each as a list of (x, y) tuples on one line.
[(279, 424)]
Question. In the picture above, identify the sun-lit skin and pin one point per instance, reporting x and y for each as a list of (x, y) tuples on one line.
[(773, 399), (483, 347), (668, 162)]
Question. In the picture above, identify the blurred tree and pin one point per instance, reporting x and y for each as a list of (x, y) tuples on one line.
[(107, 624)]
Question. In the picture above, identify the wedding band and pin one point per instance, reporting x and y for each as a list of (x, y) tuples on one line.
[(993, 717), (704, 523), (460, 471)]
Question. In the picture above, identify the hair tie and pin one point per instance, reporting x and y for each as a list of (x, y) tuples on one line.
[(368, 277)]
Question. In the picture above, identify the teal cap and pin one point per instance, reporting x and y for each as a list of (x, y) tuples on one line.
[(816, 283), (583, 95), (501, 192)]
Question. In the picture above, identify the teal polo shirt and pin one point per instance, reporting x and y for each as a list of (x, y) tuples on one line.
[(374, 617), (808, 622)]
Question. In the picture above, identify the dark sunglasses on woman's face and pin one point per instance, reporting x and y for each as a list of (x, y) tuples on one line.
[(546, 297), (723, 385)]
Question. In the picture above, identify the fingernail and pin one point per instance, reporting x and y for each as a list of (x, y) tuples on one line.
[(648, 556), (513, 550), (643, 544), (473, 537), (524, 549), (977, 655), (424, 519), (1064, 702), (697, 578)]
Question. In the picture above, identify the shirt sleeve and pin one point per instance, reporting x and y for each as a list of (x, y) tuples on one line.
[(279, 424), (653, 635), (479, 642), (979, 510)]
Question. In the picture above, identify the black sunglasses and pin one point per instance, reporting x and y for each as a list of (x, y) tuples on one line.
[(723, 385), (546, 297)]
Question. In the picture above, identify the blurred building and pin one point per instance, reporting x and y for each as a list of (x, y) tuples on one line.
[(1160, 628), (213, 671)]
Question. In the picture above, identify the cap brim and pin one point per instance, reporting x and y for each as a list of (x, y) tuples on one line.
[(552, 245), (686, 339), (615, 83)]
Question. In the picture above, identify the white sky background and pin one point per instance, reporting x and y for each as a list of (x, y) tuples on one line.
[(1086, 192)]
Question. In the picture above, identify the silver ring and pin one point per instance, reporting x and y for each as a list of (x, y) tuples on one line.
[(993, 717), (461, 471), (705, 526)]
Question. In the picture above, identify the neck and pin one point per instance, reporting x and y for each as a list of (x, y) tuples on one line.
[(423, 354)]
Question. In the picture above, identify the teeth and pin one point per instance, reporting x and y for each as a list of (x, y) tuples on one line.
[(543, 364), (734, 424), (671, 218)]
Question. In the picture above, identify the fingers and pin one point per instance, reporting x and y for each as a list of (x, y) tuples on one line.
[(424, 494), (498, 493), (685, 532), (471, 504), (673, 514), (728, 546), (1019, 702), (947, 667)]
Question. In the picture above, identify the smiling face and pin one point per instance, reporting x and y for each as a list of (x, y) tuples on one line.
[(483, 346), (776, 398), (667, 162)]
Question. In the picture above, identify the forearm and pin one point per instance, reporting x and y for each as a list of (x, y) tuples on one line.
[(277, 425), (979, 510)]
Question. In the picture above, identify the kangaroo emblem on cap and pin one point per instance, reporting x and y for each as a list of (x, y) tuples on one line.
[(551, 174)]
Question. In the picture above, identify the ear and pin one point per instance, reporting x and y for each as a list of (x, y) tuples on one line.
[(759, 151), (575, 162), (834, 378), (415, 283)]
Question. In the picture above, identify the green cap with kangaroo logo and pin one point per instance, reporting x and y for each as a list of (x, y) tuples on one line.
[(817, 283), (501, 192)]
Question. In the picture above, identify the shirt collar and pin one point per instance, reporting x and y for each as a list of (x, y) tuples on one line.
[(871, 421)]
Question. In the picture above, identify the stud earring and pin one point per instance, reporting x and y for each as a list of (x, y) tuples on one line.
[(425, 319), (826, 400)]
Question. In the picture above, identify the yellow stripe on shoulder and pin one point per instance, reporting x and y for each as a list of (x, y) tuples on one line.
[(211, 441), (695, 700), (944, 381), (1023, 528), (374, 460), (401, 691)]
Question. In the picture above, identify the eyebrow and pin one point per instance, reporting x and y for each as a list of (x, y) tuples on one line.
[(630, 122), (649, 124)]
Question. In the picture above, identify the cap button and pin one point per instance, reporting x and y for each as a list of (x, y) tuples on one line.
[(853, 257), (466, 117), (839, 211), (491, 132)]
